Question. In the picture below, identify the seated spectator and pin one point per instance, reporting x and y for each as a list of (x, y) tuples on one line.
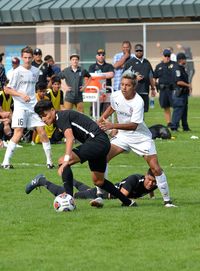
[(55, 94)]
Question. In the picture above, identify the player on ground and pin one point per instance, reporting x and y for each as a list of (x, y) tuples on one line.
[(22, 89), (94, 148), (133, 133), (134, 186)]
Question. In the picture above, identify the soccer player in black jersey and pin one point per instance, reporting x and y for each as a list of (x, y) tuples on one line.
[(134, 186), (94, 148)]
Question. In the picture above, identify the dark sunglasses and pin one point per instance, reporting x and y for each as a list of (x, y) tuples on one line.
[(166, 55), (101, 54), (139, 50)]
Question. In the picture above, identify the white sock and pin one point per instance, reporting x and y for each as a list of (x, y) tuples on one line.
[(47, 150), (162, 184), (9, 152)]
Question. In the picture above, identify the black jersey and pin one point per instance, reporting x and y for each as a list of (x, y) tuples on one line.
[(82, 126), (134, 184)]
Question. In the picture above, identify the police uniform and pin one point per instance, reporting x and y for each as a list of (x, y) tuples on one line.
[(45, 71), (180, 98), (166, 75)]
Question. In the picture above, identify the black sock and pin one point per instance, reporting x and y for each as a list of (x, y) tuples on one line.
[(80, 186), (54, 188), (67, 177), (110, 188)]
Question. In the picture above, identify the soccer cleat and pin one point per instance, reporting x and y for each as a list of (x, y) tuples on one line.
[(49, 166), (98, 202), (169, 204), (36, 182), (7, 166), (132, 204)]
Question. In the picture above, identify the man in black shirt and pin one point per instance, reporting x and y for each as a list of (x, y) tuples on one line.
[(134, 186), (144, 71), (101, 66), (164, 74), (45, 69), (94, 148), (180, 96)]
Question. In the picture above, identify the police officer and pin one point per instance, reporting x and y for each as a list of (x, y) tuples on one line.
[(180, 95), (144, 72), (165, 74), (45, 69)]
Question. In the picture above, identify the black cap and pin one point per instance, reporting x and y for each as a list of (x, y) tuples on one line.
[(166, 52), (37, 51), (139, 47), (180, 56)]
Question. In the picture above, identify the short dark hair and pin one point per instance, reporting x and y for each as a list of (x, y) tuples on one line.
[(48, 57), (27, 49), (43, 105), (41, 85), (1, 56), (55, 79)]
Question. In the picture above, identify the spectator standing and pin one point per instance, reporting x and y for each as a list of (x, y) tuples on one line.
[(165, 75), (180, 96), (15, 64), (49, 60), (118, 63), (101, 66), (144, 71), (3, 77), (45, 69)]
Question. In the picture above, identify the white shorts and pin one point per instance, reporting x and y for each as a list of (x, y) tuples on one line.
[(26, 119), (128, 143)]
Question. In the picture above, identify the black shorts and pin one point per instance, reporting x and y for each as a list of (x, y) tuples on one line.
[(165, 98), (94, 150)]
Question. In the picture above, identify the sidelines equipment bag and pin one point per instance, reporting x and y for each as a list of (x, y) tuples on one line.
[(160, 131)]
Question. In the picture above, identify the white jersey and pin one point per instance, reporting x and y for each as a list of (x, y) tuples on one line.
[(131, 111), (24, 80)]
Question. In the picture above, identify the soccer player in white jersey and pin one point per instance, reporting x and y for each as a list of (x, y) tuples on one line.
[(22, 88), (133, 133)]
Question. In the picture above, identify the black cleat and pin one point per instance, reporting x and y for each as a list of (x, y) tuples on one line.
[(132, 204), (7, 166), (50, 166), (36, 182)]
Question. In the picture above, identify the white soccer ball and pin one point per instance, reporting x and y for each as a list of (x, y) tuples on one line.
[(64, 202)]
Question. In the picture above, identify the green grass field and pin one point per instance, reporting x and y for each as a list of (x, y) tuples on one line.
[(34, 237)]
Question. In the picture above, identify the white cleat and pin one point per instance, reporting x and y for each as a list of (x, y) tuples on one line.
[(169, 204), (98, 202)]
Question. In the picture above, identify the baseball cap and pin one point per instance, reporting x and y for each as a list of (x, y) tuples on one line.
[(15, 60), (37, 51), (166, 52), (180, 56), (101, 51), (138, 47), (74, 55)]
